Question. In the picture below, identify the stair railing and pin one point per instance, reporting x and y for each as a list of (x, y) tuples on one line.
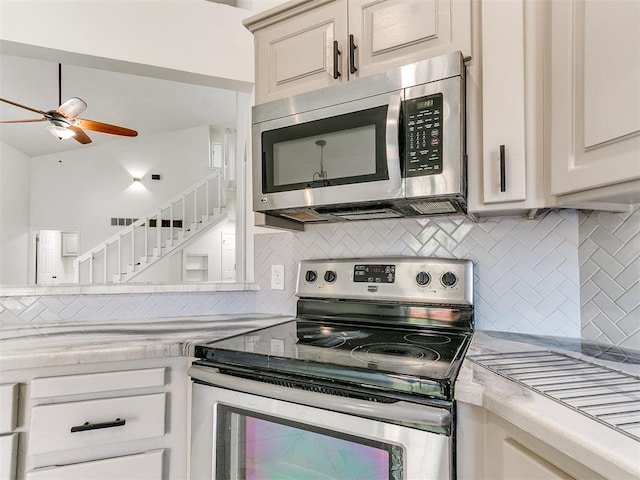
[(137, 243)]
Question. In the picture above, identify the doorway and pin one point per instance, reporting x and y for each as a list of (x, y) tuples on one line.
[(55, 251)]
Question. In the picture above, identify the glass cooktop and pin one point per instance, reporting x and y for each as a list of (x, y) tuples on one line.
[(416, 361)]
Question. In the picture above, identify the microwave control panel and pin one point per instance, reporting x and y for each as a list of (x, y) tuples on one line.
[(423, 135)]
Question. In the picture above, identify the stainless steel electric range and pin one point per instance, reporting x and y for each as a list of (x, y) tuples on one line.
[(358, 386)]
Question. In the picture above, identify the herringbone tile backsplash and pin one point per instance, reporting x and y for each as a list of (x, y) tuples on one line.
[(567, 274), (609, 254), (60, 308), (526, 271)]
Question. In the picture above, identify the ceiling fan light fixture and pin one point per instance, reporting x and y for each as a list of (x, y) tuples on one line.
[(61, 133)]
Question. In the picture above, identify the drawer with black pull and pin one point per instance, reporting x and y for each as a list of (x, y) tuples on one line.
[(64, 426)]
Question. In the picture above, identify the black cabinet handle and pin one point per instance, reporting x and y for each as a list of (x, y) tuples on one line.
[(97, 426), (336, 60), (352, 55), (503, 168)]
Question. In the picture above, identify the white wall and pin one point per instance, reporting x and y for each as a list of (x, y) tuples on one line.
[(81, 190), (14, 215), (259, 5), (185, 40)]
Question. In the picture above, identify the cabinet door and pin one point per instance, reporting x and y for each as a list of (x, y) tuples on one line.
[(518, 462), (508, 175), (8, 407), (69, 244), (503, 101), (595, 104), (8, 452), (143, 466), (297, 54), (65, 426), (389, 33)]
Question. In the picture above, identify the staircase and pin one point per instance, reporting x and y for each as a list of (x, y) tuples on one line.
[(135, 248)]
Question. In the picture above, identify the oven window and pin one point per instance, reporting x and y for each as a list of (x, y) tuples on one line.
[(338, 150), (251, 446)]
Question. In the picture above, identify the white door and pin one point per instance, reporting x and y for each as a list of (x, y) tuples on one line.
[(228, 256), (50, 266)]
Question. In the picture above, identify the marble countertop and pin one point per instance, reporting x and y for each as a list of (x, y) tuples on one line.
[(589, 442), (99, 289), (597, 446), (67, 343)]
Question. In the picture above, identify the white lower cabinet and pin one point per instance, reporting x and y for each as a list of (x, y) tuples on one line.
[(9, 402), (124, 420), (8, 452), (491, 448), (521, 463), (142, 466), (96, 422)]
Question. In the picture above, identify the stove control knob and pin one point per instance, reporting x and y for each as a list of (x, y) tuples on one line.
[(423, 278), (449, 279), (310, 276), (330, 276)]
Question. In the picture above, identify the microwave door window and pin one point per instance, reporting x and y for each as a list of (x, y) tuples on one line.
[(334, 151), (318, 160)]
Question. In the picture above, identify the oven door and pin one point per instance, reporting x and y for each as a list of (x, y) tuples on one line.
[(329, 156), (238, 434)]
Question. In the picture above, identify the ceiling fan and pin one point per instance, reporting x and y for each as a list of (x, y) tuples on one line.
[(64, 119)]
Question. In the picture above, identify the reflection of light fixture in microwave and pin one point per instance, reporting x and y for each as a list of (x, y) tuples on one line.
[(322, 174)]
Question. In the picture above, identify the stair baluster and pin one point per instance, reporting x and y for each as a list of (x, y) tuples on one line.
[(212, 213)]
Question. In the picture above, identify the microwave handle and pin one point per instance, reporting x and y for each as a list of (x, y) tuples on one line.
[(393, 140)]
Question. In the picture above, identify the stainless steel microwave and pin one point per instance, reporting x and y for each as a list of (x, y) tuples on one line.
[(388, 145)]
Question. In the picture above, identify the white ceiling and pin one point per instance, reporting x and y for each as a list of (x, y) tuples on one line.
[(150, 106)]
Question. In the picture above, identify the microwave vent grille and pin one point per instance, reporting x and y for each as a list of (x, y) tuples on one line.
[(368, 214), (434, 207)]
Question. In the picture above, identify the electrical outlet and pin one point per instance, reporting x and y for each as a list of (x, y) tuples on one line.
[(277, 277), (277, 346)]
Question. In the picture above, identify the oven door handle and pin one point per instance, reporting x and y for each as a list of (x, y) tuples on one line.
[(398, 412)]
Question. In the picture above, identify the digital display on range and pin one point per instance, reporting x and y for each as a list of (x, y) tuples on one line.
[(374, 273)]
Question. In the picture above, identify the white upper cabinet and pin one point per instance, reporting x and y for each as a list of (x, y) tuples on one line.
[(299, 48), (595, 101), (306, 45), (553, 88), (505, 109), (391, 33)]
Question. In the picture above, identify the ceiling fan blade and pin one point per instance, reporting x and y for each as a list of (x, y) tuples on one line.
[(105, 128), (22, 106), (79, 136), (72, 108), (24, 121)]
